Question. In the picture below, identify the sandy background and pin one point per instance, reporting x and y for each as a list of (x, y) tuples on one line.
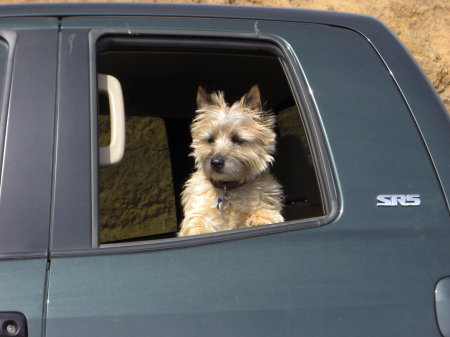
[(422, 25)]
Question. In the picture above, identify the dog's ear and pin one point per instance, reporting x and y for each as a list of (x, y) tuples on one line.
[(252, 99), (203, 98)]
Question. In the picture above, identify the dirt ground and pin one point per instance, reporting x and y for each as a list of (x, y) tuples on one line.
[(422, 25)]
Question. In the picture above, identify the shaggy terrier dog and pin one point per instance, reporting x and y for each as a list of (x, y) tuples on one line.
[(233, 147)]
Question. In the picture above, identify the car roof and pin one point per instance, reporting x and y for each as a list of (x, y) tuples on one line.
[(182, 10)]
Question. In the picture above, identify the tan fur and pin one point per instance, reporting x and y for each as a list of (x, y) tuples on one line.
[(242, 136)]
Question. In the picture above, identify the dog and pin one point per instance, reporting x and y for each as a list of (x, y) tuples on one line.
[(233, 147)]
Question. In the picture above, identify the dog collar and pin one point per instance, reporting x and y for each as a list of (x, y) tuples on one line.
[(227, 185)]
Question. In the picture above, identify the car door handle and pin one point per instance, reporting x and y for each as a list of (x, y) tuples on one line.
[(13, 324)]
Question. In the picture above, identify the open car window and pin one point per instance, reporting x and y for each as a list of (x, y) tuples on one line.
[(140, 196)]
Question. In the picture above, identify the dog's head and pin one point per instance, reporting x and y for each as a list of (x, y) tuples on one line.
[(232, 143)]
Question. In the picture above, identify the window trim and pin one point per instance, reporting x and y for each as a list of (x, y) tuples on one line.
[(26, 218), (300, 90), (10, 38)]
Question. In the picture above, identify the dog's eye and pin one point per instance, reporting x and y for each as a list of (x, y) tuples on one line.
[(237, 140), (210, 139)]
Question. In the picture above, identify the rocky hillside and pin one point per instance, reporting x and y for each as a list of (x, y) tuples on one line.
[(422, 25)]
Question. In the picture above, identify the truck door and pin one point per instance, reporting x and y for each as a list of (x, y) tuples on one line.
[(338, 263), (28, 58)]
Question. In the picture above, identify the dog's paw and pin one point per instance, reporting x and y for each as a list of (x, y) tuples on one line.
[(264, 217), (192, 230), (207, 223)]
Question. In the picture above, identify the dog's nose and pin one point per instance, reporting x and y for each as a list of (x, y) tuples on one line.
[(217, 162)]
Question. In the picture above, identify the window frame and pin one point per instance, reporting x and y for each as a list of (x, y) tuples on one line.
[(303, 99), (9, 38)]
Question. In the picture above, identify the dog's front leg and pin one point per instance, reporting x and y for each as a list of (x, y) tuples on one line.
[(193, 227), (264, 217), (200, 224)]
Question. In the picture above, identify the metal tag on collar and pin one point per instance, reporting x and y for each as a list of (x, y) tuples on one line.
[(219, 201), (224, 207), (226, 194)]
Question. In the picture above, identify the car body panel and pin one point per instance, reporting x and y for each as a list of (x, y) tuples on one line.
[(23, 284), (304, 282)]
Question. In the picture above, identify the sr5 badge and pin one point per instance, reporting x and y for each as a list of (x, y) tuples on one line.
[(393, 200)]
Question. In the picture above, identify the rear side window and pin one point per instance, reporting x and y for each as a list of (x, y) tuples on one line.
[(140, 196)]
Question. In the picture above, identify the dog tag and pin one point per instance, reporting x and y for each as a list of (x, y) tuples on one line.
[(226, 196)]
